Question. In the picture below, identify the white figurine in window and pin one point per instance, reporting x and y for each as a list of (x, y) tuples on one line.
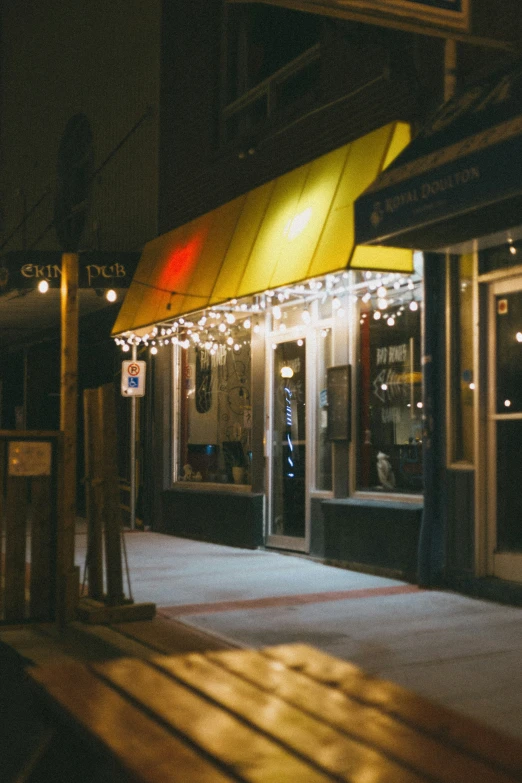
[(188, 473), (385, 472)]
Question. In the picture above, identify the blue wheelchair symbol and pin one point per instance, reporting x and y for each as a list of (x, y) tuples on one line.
[(134, 383)]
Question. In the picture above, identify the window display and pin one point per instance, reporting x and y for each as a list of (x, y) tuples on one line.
[(389, 386), (214, 441)]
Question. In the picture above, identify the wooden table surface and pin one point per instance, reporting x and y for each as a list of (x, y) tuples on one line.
[(287, 713)]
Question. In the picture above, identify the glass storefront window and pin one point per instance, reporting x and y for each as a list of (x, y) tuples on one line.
[(461, 372), (389, 386), (215, 413)]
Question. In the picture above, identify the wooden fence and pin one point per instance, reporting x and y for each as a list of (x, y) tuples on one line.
[(31, 473)]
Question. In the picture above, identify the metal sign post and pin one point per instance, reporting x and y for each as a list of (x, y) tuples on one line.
[(132, 503), (133, 385)]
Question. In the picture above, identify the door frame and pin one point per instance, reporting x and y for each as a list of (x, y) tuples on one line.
[(304, 332), (503, 565)]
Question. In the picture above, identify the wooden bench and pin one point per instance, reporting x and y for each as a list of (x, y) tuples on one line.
[(281, 714)]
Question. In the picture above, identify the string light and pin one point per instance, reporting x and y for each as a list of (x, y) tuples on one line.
[(223, 327)]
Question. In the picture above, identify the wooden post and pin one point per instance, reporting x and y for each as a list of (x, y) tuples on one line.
[(68, 575), (94, 493)]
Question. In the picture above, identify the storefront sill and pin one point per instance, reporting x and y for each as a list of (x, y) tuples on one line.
[(371, 501), (213, 488), (374, 533), (488, 588), (214, 513)]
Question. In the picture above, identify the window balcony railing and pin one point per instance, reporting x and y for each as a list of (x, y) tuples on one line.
[(280, 90)]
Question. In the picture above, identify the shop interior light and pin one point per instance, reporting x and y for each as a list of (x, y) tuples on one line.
[(519, 337), (111, 295), (287, 372), (43, 286)]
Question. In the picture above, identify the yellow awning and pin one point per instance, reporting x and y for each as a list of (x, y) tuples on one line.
[(298, 226)]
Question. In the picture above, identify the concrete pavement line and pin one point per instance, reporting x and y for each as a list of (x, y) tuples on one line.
[(286, 600)]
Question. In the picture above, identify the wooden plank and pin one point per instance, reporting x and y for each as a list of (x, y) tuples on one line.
[(425, 715), (144, 750), (93, 495), (313, 739), (378, 729), (42, 582), (98, 613), (248, 754), (15, 543), (171, 637), (32, 645)]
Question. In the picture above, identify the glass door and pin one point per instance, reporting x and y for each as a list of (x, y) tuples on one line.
[(505, 430), (287, 437)]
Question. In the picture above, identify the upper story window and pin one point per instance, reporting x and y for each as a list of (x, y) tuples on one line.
[(272, 60)]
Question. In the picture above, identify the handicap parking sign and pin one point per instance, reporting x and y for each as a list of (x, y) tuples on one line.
[(133, 378)]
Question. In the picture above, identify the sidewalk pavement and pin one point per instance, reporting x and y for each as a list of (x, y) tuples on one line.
[(459, 651)]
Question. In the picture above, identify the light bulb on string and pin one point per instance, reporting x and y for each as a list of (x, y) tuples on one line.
[(43, 286)]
